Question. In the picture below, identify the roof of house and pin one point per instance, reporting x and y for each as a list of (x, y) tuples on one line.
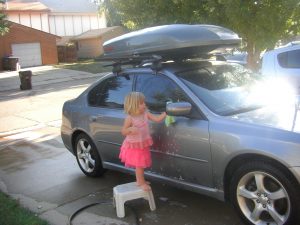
[(16, 5), (96, 33), (79, 6), (60, 6), (20, 26), (63, 41)]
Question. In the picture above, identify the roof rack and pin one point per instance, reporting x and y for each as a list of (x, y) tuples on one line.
[(155, 62)]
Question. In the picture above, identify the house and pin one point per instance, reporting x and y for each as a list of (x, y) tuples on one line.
[(61, 18), (89, 44), (33, 47), (31, 14), (76, 21)]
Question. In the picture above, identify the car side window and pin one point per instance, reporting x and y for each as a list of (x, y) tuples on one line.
[(290, 59), (158, 90), (111, 92)]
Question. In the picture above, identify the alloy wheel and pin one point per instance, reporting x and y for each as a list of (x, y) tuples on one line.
[(263, 199)]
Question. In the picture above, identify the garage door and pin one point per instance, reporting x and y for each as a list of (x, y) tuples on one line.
[(29, 54)]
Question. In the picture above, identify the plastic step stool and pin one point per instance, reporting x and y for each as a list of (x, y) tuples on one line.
[(130, 191)]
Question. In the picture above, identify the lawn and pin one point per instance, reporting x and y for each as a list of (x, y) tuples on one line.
[(88, 65), (11, 213)]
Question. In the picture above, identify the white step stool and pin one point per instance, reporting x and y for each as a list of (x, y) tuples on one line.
[(130, 191)]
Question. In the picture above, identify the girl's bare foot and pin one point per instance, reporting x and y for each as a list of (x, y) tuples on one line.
[(145, 186), (140, 184)]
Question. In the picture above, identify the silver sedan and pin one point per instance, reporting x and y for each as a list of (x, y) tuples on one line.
[(235, 137)]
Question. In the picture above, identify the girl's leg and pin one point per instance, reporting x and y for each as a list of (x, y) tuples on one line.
[(140, 179)]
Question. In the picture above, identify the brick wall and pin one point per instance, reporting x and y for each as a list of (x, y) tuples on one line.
[(89, 48), (20, 34)]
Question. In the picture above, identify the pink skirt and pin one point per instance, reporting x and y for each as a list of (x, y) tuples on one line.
[(136, 157)]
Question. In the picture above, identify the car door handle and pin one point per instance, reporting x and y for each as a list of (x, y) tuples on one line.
[(94, 118)]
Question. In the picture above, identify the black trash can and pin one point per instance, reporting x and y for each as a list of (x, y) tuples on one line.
[(10, 63), (25, 78)]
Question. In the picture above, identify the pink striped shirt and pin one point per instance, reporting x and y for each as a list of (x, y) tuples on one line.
[(143, 138)]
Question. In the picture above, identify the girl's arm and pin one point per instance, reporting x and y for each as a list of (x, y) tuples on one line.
[(127, 128), (155, 118)]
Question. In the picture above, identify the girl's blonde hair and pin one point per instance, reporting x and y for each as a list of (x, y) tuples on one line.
[(132, 102)]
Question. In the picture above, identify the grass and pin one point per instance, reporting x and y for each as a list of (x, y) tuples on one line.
[(11, 213), (87, 65)]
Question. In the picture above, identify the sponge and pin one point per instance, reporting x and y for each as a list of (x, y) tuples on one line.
[(169, 120)]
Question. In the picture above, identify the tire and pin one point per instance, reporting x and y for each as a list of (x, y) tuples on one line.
[(88, 157), (264, 194)]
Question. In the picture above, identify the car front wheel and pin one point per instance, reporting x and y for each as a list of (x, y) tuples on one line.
[(263, 194), (88, 157)]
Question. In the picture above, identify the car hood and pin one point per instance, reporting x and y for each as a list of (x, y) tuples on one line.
[(286, 118)]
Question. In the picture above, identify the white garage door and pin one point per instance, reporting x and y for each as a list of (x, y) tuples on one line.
[(29, 54)]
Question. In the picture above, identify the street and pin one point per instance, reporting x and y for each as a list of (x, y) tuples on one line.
[(43, 175)]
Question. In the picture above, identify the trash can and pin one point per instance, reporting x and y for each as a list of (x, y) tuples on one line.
[(25, 78), (10, 63)]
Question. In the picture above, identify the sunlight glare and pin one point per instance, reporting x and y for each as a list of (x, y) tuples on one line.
[(273, 92)]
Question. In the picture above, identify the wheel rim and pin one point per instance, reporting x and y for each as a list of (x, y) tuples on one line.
[(85, 156), (263, 199)]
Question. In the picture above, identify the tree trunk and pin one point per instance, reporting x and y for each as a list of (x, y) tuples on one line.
[(253, 56)]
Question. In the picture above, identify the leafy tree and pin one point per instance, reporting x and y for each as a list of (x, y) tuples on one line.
[(137, 14), (3, 24), (260, 23), (112, 16)]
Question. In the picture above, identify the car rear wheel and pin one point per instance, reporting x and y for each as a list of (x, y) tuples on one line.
[(88, 157), (263, 194)]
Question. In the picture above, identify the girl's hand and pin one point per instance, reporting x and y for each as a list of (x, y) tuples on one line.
[(158, 118), (128, 128), (133, 130)]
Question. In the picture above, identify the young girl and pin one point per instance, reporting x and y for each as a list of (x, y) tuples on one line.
[(135, 150)]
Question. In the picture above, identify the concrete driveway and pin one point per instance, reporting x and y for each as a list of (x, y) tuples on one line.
[(36, 169)]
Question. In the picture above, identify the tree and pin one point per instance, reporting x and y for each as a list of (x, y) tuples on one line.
[(3, 23), (260, 23), (137, 14)]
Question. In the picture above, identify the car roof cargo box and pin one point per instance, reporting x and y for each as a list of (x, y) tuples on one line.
[(170, 42)]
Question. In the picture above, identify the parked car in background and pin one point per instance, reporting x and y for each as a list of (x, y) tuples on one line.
[(229, 140), (237, 57), (283, 62)]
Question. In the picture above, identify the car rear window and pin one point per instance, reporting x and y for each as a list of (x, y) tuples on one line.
[(290, 59), (111, 92)]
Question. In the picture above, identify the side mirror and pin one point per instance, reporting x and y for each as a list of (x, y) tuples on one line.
[(178, 108)]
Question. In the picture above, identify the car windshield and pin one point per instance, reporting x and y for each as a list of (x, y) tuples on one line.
[(224, 88)]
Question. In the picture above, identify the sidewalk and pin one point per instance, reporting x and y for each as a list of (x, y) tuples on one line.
[(27, 109), (42, 75)]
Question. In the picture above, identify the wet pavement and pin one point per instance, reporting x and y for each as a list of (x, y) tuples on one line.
[(36, 168)]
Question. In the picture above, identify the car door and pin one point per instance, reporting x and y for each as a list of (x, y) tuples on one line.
[(106, 101), (180, 151)]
